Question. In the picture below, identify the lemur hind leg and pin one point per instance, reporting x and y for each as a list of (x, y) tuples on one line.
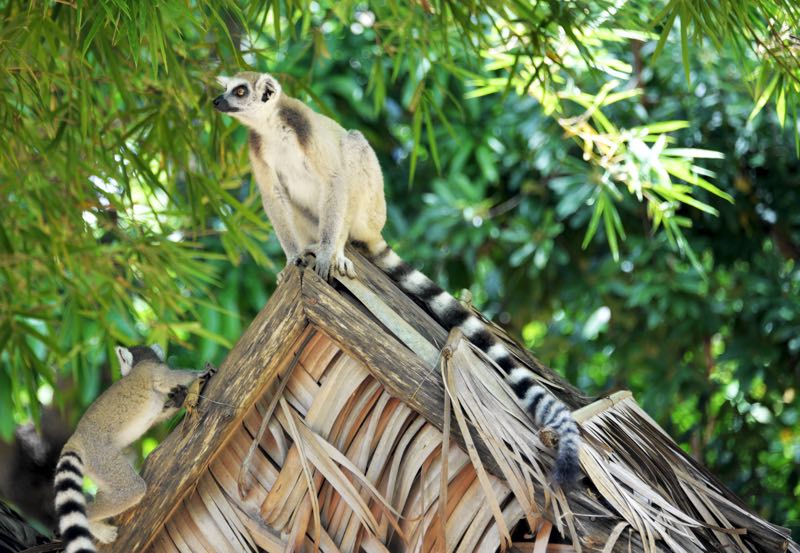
[(119, 487), (355, 199)]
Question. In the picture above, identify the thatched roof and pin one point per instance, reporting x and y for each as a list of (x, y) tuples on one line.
[(342, 391)]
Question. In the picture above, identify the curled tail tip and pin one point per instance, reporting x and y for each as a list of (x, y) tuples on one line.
[(567, 469)]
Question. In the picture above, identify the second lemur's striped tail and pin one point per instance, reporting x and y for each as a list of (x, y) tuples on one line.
[(543, 407), (71, 505)]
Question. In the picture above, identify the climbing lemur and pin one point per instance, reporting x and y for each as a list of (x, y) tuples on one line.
[(322, 187), (148, 392)]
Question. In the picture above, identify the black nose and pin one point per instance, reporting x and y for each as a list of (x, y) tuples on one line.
[(221, 104)]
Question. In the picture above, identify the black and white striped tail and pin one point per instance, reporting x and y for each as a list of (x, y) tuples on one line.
[(71, 505), (544, 409)]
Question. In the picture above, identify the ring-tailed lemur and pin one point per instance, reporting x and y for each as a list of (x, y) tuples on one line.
[(321, 187), (319, 183), (148, 393)]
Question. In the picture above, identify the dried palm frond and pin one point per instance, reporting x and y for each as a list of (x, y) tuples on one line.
[(664, 494), (505, 429), (658, 491)]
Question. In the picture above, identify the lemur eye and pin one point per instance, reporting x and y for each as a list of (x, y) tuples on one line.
[(240, 91)]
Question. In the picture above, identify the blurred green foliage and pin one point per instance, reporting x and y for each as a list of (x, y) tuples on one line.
[(562, 161)]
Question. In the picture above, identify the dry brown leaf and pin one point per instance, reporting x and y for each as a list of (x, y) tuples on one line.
[(311, 486), (450, 385)]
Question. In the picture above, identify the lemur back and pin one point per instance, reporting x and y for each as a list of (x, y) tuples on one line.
[(324, 190), (148, 393)]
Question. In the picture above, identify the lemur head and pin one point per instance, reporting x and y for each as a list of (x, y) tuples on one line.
[(248, 96), (130, 357)]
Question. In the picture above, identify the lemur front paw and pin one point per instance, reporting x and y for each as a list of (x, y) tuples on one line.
[(322, 266), (105, 533), (176, 397), (209, 371)]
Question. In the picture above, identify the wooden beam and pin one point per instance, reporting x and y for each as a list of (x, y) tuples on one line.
[(392, 320), (603, 404), (173, 469), (387, 290)]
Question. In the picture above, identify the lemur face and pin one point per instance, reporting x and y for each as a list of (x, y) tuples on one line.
[(248, 96)]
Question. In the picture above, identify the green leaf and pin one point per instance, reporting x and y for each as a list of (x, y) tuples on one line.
[(685, 43), (764, 97), (595, 221), (487, 163), (6, 406), (780, 106), (661, 127), (611, 235), (416, 126), (662, 40), (431, 138), (197, 328)]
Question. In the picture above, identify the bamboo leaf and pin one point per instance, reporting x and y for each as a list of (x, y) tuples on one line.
[(662, 41), (416, 133), (685, 18), (764, 97), (780, 106), (611, 232), (431, 138), (595, 221), (693, 153)]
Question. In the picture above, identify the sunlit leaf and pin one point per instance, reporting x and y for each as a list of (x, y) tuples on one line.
[(764, 97)]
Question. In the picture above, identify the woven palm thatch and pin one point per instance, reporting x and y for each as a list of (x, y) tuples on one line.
[(345, 419)]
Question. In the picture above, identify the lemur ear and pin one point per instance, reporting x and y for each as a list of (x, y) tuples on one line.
[(268, 86), (125, 358), (223, 81), (158, 351)]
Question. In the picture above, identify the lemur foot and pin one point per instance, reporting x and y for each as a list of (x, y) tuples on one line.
[(105, 533), (305, 259), (322, 266), (322, 263), (345, 266), (325, 265)]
